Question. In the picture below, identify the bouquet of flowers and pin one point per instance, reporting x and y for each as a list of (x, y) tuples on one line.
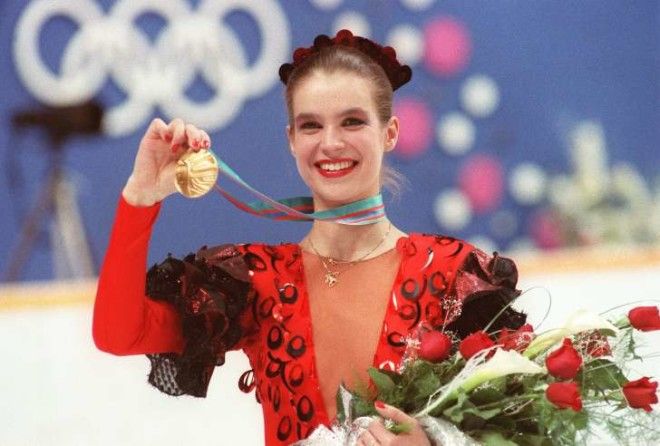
[(517, 387)]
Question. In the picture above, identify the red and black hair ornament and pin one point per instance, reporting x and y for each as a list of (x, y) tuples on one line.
[(385, 56)]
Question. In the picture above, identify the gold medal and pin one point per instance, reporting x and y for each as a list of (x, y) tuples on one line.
[(196, 173)]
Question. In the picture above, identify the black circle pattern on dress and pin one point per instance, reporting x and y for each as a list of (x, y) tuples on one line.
[(396, 339), (274, 367), (437, 284), (275, 337), (255, 263), (296, 375), (288, 293), (247, 381), (410, 289), (284, 428), (277, 399), (266, 307), (305, 409), (296, 347)]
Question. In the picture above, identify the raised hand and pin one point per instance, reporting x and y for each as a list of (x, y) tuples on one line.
[(152, 179)]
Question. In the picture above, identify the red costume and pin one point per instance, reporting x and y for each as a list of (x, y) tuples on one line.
[(188, 313)]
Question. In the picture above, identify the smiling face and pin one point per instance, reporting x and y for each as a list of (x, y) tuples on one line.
[(337, 138)]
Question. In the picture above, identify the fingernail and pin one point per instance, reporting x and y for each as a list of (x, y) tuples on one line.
[(207, 143), (168, 137), (175, 147), (379, 404)]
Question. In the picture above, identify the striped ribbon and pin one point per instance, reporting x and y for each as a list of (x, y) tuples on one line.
[(362, 212)]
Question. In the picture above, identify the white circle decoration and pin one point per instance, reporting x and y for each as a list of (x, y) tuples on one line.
[(528, 183), (480, 95), (326, 5), (452, 210), (409, 43), (417, 5), (153, 74), (455, 133), (354, 22)]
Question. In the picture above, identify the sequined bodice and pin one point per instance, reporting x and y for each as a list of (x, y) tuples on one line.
[(281, 347)]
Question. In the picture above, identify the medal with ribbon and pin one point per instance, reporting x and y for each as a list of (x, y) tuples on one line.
[(197, 173)]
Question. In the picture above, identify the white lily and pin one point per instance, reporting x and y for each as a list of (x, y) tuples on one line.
[(580, 321), (503, 362), (478, 371)]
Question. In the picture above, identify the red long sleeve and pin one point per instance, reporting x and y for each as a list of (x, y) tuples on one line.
[(126, 322)]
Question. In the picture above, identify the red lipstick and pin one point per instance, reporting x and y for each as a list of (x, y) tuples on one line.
[(336, 173)]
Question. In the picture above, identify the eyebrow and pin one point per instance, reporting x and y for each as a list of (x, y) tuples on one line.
[(349, 111)]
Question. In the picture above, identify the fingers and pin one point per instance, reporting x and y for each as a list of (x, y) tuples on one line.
[(178, 130), (185, 136), (394, 414), (378, 431), (206, 140), (414, 434), (368, 439), (159, 130), (195, 137)]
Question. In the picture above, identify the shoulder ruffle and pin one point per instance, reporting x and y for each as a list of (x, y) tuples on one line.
[(210, 290), (485, 285)]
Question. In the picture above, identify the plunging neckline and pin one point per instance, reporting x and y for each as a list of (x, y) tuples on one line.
[(307, 315)]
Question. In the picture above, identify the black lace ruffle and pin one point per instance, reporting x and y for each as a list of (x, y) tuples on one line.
[(210, 290), (486, 285)]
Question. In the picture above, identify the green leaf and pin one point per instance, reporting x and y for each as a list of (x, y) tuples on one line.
[(400, 428), (580, 420), (531, 440), (495, 439), (602, 374), (427, 383), (485, 395), (382, 381), (362, 408)]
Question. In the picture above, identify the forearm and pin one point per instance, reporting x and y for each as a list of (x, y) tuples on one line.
[(125, 320)]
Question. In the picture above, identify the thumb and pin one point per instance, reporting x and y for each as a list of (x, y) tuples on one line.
[(394, 414)]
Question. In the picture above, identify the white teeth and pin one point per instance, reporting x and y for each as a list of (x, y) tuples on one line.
[(336, 166)]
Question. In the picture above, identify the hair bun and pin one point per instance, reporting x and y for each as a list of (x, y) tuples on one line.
[(397, 73)]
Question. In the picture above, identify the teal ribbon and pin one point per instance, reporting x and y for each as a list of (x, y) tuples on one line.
[(363, 212)]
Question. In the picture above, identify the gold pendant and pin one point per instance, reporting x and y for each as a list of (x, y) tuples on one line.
[(330, 278)]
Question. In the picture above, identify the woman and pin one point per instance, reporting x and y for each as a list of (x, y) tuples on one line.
[(309, 315)]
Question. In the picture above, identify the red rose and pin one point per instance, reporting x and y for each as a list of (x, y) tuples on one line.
[(474, 343), (434, 346), (564, 395), (641, 393), (645, 318), (516, 339), (564, 362)]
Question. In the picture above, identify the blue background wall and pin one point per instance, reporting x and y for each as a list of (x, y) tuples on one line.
[(555, 63)]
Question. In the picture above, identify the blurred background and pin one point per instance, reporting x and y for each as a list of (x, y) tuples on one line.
[(530, 128)]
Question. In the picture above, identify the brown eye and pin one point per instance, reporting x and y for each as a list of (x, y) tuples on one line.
[(353, 121), (309, 125)]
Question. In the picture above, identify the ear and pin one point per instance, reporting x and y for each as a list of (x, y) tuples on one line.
[(289, 135), (391, 133)]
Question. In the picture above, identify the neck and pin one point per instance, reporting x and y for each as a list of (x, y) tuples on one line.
[(348, 242)]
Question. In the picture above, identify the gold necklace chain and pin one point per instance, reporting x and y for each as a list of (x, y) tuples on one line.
[(332, 277)]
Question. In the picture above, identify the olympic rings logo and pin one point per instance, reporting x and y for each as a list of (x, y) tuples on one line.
[(153, 74)]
